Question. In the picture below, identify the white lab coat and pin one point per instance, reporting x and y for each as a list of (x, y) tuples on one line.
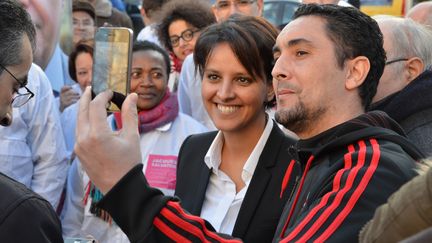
[(32, 149), (189, 94)]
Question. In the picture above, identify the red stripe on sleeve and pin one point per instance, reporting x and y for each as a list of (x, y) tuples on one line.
[(187, 226), (168, 231), (324, 201), (184, 225), (376, 153)]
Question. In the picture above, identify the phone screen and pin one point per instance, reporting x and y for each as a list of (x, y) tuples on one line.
[(112, 58)]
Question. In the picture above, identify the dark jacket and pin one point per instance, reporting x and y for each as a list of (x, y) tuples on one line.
[(412, 109), (25, 216), (348, 171), (262, 205)]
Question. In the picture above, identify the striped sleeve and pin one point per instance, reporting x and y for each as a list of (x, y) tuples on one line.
[(178, 225), (356, 189), (145, 215)]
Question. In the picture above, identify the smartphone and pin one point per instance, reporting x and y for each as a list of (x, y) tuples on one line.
[(112, 63)]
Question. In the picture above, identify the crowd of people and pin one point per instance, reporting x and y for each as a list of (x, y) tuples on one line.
[(233, 131)]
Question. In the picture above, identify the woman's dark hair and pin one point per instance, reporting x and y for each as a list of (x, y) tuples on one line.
[(149, 46), (195, 13), (80, 47), (250, 38)]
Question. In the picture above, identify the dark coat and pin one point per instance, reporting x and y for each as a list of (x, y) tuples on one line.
[(26, 216), (412, 109), (262, 204)]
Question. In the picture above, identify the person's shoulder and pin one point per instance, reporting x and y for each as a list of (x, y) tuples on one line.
[(37, 79), (14, 195), (189, 65), (190, 123), (27, 214), (189, 60), (9, 186), (201, 138)]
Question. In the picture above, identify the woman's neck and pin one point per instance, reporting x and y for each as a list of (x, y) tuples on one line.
[(237, 148)]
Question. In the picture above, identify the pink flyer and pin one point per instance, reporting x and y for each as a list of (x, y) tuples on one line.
[(161, 171)]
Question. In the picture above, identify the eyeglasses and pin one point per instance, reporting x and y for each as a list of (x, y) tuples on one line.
[(20, 98), (225, 5), (186, 35), (396, 60)]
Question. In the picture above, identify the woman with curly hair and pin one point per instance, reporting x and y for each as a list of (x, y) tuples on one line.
[(180, 25)]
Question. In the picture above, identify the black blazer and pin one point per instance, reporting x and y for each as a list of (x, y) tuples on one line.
[(262, 205)]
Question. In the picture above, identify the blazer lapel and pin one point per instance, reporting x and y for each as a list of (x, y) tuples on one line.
[(201, 187), (259, 182)]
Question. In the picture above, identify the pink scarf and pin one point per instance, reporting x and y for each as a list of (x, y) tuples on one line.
[(165, 112)]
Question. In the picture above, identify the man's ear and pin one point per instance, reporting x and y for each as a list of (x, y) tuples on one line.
[(260, 4), (358, 69), (415, 67)]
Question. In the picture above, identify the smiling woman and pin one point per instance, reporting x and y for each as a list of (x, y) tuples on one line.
[(242, 165)]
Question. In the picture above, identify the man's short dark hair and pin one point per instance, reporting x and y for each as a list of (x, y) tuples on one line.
[(150, 46), (15, 22), (353, 34)]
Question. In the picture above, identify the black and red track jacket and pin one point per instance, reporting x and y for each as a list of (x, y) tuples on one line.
[(348, 171)]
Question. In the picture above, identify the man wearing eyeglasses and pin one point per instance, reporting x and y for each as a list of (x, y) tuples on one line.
[(405, 86), (24, 215), (189, 87), (21, 95)]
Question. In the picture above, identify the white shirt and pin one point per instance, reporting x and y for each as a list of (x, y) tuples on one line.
[(32, 149), (222, 204), (159, 145), (189, 94), (68, 122), (57, 70)]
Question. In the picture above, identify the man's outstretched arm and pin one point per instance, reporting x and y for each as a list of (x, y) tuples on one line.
[(111, 159)]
